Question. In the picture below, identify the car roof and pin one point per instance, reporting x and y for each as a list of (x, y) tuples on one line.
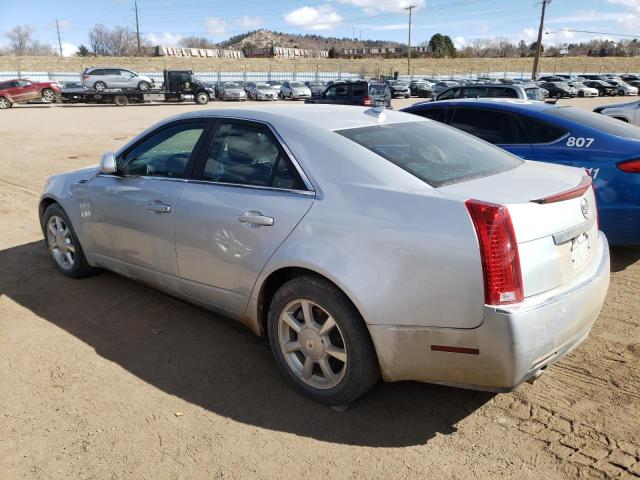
[(326, 117), (512, 104)]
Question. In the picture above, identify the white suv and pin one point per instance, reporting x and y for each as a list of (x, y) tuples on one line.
[(102, 78)]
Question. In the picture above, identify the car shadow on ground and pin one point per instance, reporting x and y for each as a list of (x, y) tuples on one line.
[(216, 363), (622, 257)]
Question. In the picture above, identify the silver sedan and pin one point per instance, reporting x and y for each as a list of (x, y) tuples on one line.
[(364, 243)]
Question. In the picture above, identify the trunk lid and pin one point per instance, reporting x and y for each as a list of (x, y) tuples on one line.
[(557, 238)]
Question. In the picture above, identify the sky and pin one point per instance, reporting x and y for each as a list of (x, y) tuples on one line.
[(164, 22)]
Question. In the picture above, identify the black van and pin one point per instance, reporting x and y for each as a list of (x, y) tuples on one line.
[(360, 92)]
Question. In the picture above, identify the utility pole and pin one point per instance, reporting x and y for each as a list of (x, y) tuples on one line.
[(137, 26), (59, 41), (410, 8), (534, 73)]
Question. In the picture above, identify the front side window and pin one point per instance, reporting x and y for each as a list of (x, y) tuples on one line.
[(448, 94), (246, 155), (491, 126), (164, 154), (23, 83), (434, 153)]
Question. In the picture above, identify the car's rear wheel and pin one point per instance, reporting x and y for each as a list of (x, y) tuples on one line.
[(559, 95), (202, 98), (48, 95), (144, 86), (120, 100), (320, 341), (100, 86), (4, 103), (63, 245), (620, 93)]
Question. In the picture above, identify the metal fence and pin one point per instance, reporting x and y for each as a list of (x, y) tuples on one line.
[(244, 76)]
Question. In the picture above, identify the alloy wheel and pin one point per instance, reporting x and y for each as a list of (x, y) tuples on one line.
[(48, 95), (312, 344), (4, 103), (60, 242)]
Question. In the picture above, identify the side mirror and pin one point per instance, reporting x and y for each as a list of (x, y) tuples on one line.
[(108, 163)]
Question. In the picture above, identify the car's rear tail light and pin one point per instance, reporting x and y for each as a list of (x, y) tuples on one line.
[(367, 101), (498, 251), (630, 166)]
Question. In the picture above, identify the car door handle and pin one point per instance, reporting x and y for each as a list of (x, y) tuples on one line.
[(158, 207), (255, 218)]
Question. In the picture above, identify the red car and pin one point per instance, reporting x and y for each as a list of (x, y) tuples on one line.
[(20, 90)]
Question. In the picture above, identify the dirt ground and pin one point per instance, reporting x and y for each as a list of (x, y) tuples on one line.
[(104, 378)]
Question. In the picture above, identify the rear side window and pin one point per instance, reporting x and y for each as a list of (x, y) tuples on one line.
[(449, 94), (502, 92), (436, 114), (246, 155), (541, 132), (596, 121), (359, 90), (533, 94), (492, 126), (434, 153), (96, 72)]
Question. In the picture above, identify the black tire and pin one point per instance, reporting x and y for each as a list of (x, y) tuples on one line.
[(362, 369), (120, 100), (80, 267), (581, 94), (144, 86), (620, 93), (100, 86), (202, 98), (559, 95), (5, 103), (601, 93)]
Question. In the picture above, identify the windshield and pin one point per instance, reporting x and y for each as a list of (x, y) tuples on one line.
[(231, 85), (599, 122), (434, 153), (296, 84), (265, 87)]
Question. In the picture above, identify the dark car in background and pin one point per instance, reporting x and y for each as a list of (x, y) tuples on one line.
[(361, 93), (559, 89), (421, 88), (317, 87), (20, 90), (604, 88)]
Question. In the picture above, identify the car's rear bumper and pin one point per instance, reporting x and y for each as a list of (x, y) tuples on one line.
[(513, 344)]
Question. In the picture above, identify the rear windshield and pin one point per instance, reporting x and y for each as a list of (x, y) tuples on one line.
[(377, 89), (596, 121), (434, 153)]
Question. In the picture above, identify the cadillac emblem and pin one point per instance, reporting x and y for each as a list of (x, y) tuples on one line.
[(586, 209)]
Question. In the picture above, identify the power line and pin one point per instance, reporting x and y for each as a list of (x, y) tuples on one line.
[(596, 33), (534, 73)]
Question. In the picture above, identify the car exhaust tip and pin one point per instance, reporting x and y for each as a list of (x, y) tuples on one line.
[(531, 380)]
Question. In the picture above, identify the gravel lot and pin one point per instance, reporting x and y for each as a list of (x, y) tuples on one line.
[(105, 378)]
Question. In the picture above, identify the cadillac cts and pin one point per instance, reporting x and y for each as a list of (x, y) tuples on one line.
[(363, 243)]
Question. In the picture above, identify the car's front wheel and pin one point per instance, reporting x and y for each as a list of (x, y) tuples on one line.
[(4, 103), (63, 245), (144, 86), (100, 86), (321, 342), (48, 95)]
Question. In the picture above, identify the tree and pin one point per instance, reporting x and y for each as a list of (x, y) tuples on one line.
[(83, 51), (99, 40), (119, 42), (333, 53), (450, 49), (523, 49), (533, 47), (442, 46), (19, 39), (196, 42)]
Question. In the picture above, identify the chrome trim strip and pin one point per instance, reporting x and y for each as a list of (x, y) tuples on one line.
[(253, 187), (144, 177), (571, 233)]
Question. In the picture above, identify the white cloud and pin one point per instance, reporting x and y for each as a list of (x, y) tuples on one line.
[(483, 28), (459, 42), (64, 24), (529, 34), (165, 39), (323, 17), (216, 27), (630, 21), (69, 49), (248, 22), (372, 7), (633, 4)]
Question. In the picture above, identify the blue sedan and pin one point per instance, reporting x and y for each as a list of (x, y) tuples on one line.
[(608, 149)]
